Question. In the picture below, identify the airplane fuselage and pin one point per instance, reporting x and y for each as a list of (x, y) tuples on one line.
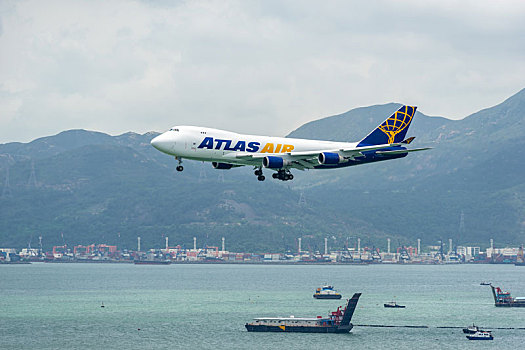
[(207, 144)]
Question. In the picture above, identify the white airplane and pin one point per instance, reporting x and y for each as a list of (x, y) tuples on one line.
[(227, 149)]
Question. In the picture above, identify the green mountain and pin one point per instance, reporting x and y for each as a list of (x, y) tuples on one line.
[(469, 187), (89, 187)]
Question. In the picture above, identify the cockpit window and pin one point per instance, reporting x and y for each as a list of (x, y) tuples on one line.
[(174, 129)]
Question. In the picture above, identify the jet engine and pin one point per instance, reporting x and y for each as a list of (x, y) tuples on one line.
[(274, 162), (330, 158), (225, 166)]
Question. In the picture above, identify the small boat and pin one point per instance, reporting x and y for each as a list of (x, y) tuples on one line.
[(326, 292), (471, 329), (393, 304), (480, 335)]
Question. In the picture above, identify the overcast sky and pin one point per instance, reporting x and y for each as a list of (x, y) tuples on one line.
[(260, 67)]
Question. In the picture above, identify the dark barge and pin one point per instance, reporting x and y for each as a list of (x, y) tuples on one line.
[(152, 262), (337, 322)]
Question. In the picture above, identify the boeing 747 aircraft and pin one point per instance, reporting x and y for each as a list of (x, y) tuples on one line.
[(227, 149)]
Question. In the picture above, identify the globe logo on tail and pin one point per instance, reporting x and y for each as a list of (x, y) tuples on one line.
[(397, 122)]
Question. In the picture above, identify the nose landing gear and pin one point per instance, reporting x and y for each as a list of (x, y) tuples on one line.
[(179, 167), (283, 175)]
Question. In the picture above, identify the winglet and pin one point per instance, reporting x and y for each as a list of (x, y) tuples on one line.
[(409, 140), (392, 130)]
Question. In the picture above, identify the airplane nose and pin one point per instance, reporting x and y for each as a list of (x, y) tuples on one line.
[(155, 142), (161, 143)]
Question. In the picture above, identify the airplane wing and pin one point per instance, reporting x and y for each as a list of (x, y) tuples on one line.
[(298, 160), (308, 159)]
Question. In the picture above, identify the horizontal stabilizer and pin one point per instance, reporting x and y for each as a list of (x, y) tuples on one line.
[(401, 151)]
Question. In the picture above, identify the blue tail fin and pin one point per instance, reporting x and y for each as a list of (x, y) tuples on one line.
[(392, 130)]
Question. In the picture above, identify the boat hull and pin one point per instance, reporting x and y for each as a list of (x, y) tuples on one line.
[(472, 337), (468, 331), (297, 329), (514, 304), (327, 296), (146, 262)]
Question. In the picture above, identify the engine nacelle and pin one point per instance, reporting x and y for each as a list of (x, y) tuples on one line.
[(274, 162), (225, 166), (330, 158)]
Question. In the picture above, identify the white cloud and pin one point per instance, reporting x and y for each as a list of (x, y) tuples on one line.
[(249, 66)]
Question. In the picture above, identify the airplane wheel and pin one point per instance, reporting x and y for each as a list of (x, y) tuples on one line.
[(179, 168), (258, 172), (275, 175), (261, 178), (290, 177)]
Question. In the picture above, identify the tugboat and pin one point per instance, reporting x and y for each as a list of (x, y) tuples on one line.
[(471, 329), (337, 322), (480, 335), (393, 304), (326, 292)]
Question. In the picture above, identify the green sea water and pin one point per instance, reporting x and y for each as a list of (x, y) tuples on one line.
[(58, 306)]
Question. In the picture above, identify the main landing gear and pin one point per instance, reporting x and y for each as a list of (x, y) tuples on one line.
[(283, 175), (258, 172), (179, 167)]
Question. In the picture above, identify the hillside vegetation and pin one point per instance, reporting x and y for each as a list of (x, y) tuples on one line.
[(91, 187)]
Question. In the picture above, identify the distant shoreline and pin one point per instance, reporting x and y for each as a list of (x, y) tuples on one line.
[(285, 263)]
